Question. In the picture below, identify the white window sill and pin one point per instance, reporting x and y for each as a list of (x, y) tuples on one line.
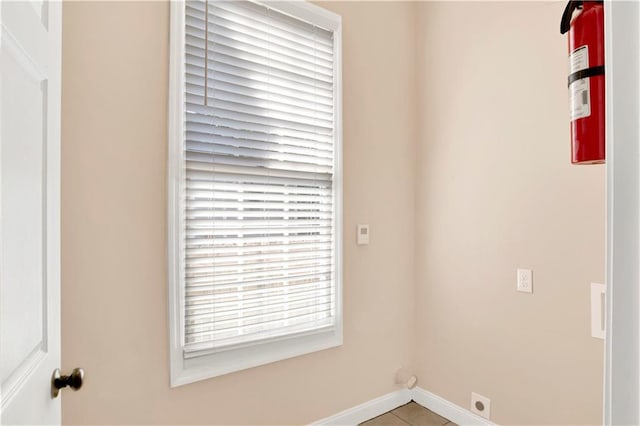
[(185, 371)]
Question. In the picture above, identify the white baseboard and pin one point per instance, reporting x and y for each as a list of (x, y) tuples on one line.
[(368, 410), (447, 409), (375, 407)]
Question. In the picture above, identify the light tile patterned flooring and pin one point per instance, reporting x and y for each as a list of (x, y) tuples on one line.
[(409, 414)]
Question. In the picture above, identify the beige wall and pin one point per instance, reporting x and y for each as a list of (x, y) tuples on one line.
[(114, 291), (496, 191), (482, 159)]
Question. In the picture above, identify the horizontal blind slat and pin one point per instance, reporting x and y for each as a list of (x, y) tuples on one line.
[(256, 319), (200, 127), (270, 271), (255, 314), (257, 101), (267, 40), (230, 43), (229, 194), (210, 298), (197, 170), (256, 163), (246, 242), (260, 232), (255, 64), (231, 224), (230, 340), (246, 114), (209, 143), (257, 266), (259, 258), (245, 185), (248, 151), (309, 103), (260, 15), (311, 100), (222, 72), (313, 40), (204, 311), (289, 247), (206, 299), (259, 19), (208, 282), (303, 182), (220, 118)]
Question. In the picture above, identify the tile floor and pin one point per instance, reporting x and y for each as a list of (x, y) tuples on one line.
[(409, 414)]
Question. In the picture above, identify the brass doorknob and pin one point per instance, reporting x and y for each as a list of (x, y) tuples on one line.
[(73, 380)]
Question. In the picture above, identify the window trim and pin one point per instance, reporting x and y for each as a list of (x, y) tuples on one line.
[(183, 370)]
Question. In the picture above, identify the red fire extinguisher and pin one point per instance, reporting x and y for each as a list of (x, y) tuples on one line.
[(586, 79)]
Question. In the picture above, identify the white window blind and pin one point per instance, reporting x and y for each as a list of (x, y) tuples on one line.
[(259, 197)]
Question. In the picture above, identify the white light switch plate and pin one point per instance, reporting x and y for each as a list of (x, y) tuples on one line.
[(362, 237)]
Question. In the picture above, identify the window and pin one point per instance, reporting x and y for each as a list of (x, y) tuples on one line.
[(254, 185)]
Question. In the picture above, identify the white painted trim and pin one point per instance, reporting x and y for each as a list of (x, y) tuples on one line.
[(1, 133), (175, 187), (368, 410), (622, 344), (218, 364), (183, 370), (447, 409)]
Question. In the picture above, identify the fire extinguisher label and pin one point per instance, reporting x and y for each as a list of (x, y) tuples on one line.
[(579, 89)]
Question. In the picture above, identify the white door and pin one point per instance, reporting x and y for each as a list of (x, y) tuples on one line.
[(29, 210)]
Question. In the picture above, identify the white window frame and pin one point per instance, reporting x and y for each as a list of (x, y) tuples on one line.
[(182, 370)]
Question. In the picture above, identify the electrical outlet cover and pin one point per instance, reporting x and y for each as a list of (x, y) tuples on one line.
[(480, 405), (524, 280)]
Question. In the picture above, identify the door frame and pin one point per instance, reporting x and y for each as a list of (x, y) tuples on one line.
[(622, 355)]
